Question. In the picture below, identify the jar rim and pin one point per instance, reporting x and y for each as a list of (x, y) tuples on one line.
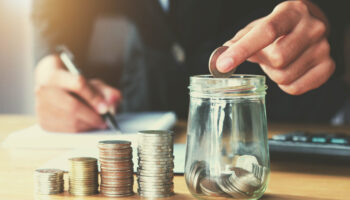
[(236, 84), (241, 76)]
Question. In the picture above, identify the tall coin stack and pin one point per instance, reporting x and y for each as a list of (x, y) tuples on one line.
[(116, 168), (83, 176), (48, 181), (156, 164)]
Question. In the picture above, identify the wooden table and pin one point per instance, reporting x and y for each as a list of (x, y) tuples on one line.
[(288, 180)]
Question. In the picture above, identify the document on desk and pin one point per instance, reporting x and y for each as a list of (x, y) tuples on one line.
[(85, 144), (35, 137)]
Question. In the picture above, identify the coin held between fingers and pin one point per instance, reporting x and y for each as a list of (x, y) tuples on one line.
[(226, 62)]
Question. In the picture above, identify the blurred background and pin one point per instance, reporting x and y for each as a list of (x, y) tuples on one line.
[(16, 60)]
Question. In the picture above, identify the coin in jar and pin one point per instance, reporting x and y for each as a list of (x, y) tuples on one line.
[(209, 187)]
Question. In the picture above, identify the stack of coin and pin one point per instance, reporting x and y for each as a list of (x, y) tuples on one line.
[(48, 181), (155, 164), (240, 181), (116, 168), (83, 176)]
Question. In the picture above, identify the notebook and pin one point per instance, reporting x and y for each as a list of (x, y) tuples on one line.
[(130, 123), (85, 144)]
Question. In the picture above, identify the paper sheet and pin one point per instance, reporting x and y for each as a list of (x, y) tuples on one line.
[(85, 144), (35, 137)]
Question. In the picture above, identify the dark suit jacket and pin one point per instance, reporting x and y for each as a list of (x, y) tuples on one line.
[(139, 40)]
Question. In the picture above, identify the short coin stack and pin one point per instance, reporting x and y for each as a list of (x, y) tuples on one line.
[(83, 176), (155, 164), (48, 181), (116, 168), (240, 181)]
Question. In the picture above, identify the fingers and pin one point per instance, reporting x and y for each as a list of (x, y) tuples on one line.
[(59, 111), (78, 85), (263, 34), (288, 48), (312, 56), (313, 78), (112, 95), (50, 72), (242, 33)]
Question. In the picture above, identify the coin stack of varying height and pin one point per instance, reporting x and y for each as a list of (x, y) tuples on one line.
[(240, 181), (116, 168), (155, 164), (83, 176), (48, 181)]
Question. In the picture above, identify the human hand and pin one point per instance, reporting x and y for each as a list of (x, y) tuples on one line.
[(290, 45), (70, 103)]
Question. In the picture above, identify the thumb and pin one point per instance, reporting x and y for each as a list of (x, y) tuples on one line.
[(111, 95)]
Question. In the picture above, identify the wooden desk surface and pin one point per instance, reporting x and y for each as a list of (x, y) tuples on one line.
[(288, 180)]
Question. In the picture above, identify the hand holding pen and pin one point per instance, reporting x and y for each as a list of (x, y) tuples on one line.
[(67, 102)]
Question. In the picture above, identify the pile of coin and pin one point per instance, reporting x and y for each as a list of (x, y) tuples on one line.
[(244, 178), (48, 181), (155, 164), (116, 168), (83, 176)]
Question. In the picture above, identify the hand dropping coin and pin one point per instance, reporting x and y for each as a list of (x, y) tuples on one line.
[(212, 63)]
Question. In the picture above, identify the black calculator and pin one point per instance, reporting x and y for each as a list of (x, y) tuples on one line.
[(316, 145)]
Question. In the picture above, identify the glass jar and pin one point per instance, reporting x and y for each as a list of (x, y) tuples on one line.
[(227, 147)]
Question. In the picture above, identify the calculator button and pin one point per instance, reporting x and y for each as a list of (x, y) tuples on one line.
[(339, 141), (319, 140), (300, 138)]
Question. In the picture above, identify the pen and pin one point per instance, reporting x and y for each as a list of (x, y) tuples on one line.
[(67, 57)]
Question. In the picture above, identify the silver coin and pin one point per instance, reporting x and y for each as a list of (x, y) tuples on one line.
[(209, 187), (245, 162), (212, 63), (152, 168), (48, 181), (164, 187), (155, 178), (226, 186), (117, 195), (48, 171), (155, 159), (196, 173), (244, 180), (259, 172), (155, 171), (114, 143), (156, 185), (154, 191), (155, 132), (147, 174), (155, 146)]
